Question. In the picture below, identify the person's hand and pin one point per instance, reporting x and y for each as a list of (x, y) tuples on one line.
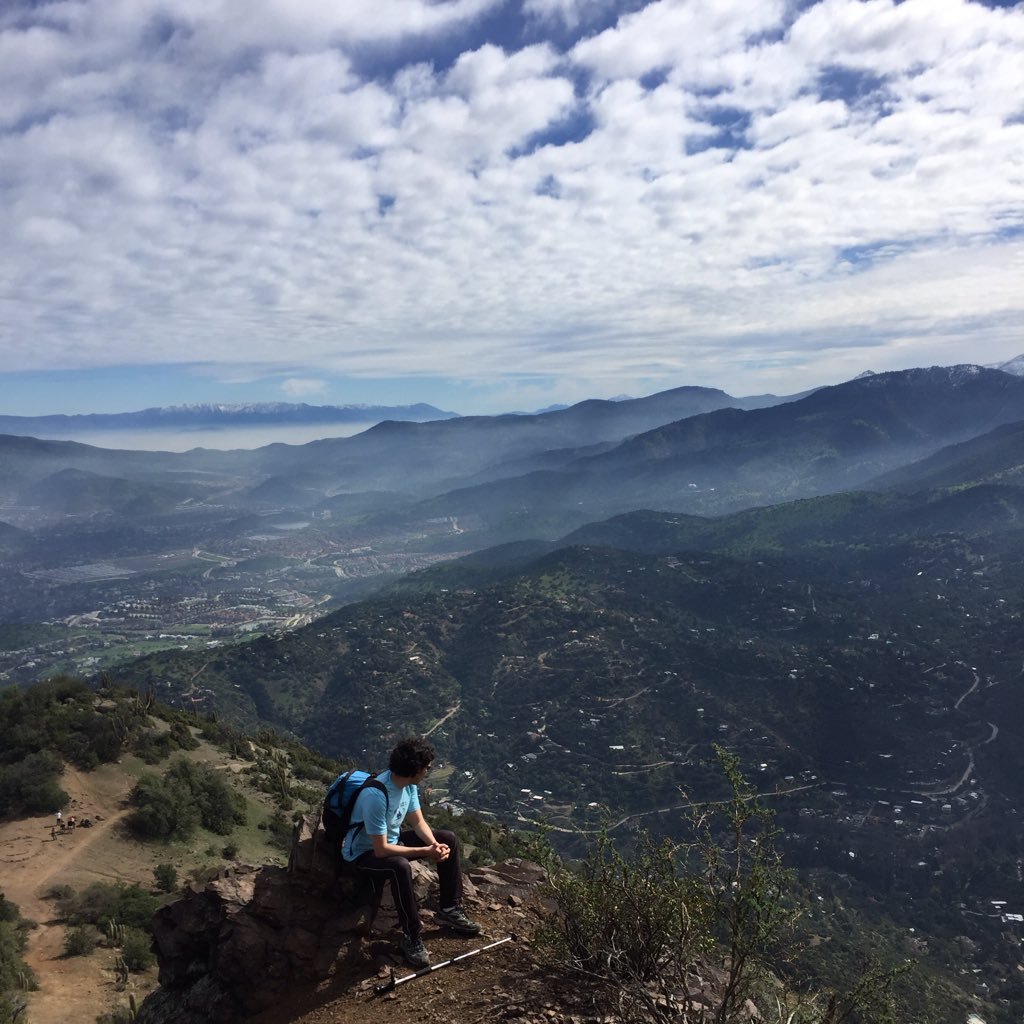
[(438, 852)]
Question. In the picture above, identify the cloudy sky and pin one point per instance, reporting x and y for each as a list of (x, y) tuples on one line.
[(500, 204)]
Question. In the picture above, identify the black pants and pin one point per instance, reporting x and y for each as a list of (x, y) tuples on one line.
[(399, 873)]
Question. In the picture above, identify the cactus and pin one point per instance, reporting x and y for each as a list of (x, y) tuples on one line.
[(115, 932), (133, 1008), (122, 973)]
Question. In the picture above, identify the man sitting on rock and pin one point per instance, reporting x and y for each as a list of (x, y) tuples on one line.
[(376, 846)]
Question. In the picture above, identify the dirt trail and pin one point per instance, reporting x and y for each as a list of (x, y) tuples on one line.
[(70, 988)]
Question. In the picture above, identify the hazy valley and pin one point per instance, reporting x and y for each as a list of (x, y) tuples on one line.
[(577, 605)]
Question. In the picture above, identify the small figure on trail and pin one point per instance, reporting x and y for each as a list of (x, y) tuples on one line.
[(60, 820), (376, 847), (53, 831), (71, 822)]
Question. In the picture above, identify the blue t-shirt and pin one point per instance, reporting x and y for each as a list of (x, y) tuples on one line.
[(370, 810)]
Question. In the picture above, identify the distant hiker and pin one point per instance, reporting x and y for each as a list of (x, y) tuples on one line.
[(71, 822), (60, 820), (375, 847), (53, 832)]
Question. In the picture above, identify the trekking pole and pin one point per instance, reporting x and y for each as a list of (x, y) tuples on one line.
[(394, 982)]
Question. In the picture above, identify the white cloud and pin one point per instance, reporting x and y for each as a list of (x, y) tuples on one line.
[(689, 37), (301, 387), (510, 210)]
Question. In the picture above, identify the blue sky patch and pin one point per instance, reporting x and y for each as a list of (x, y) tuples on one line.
[(729, 131), (851, 85), (574, 128)]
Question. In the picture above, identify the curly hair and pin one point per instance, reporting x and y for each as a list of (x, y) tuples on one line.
[(410, 755)]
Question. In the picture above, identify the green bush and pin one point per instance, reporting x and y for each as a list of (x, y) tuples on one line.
[(103, 904), (280, 829), (15, 974), (166, 877), (80, 940), (136, 949), (162, 811), (153, 747), (230, 852), (187, 796), (182, 736), (629, 927), (29, 785)]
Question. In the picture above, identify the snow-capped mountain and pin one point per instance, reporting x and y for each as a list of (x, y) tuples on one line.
[(204, 416), (1014, 366)]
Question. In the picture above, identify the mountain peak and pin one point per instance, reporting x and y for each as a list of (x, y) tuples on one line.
[(1014, 366)]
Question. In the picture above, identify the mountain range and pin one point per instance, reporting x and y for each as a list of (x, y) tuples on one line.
[(829, 586), (218, 415), (689, 449)]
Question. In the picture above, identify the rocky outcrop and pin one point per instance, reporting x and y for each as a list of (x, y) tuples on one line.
[(254, 935)]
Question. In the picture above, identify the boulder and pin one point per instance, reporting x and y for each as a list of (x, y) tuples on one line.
[(252, 934), (256, 935)]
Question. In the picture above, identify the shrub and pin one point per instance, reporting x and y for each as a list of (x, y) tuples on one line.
[(188, 795), (80, 940), (136, 949), (182, 736), (162, 811), (166, 877), (630, 925), (153, 747), (29, 785), (15, 974), (629, 928), (12, 1008), (280, 831), (103, 904), (230, 852)]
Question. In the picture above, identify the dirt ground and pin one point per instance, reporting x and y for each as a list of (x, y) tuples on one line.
[(73, 988), (498, 984)]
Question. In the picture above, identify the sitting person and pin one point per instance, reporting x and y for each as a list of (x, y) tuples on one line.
[(376, 846)]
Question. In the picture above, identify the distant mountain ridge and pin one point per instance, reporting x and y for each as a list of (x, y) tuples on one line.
[(724, 460), (207, 415), (1014, 366), (691, 449)]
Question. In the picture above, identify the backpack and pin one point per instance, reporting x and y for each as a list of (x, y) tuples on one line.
[(341, 800)]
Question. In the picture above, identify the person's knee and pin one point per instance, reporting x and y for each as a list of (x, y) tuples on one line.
[(447, 837)]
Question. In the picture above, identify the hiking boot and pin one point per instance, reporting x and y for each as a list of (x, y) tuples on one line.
[(457, 920), (413, 951)]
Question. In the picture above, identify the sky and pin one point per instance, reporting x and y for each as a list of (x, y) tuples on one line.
[(501, 204)]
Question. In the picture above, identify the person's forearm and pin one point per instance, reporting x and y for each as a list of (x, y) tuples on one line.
[(398, 850), (423, 830)]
